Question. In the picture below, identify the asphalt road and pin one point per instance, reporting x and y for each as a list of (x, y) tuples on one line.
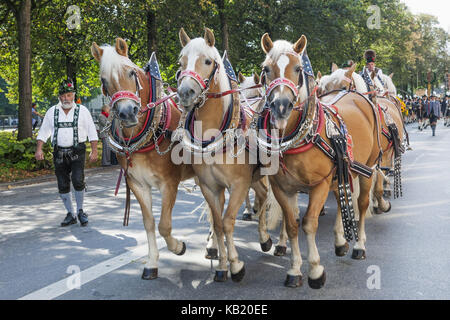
[(408, 254)]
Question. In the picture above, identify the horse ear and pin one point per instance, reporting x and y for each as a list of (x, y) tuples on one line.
[(391, 75), (319, 75), (300, 45), (122, 47), (241, 77), (350, 71), (256, 78), (266, 43), (334, 67), (209, 37), (184, 38), (96, 51)]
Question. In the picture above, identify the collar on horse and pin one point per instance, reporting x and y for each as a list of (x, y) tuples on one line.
[(157, 121), (234, 117)]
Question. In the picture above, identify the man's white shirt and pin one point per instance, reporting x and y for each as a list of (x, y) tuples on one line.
[(86, 126)]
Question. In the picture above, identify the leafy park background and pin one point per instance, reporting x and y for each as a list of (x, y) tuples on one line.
[(38, 46)]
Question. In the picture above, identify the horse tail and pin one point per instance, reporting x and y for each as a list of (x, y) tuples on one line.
[(274, 212)]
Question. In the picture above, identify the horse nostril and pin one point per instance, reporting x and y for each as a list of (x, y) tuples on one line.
[(122, 115), (191, 92), (135, 109)]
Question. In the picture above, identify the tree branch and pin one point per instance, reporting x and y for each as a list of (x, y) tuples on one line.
[(12, 7)]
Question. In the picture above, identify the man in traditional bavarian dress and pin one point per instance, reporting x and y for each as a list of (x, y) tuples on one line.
[(69, 125), (370, 56)]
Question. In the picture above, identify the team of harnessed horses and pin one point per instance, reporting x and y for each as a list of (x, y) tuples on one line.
[(333, 139)]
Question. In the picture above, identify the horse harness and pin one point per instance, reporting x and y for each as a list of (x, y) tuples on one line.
[(61, 152)]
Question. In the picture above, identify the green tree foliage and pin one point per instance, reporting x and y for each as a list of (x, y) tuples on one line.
[(406, 44)]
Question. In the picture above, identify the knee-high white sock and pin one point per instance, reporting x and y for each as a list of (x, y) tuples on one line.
[(79, 197), (67, 200)]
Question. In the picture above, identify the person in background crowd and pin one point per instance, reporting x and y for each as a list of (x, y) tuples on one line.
[(434, 113), (106, 149), (35, 116), (447, 111)]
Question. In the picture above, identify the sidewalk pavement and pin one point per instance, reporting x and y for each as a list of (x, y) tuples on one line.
[(51, 177)]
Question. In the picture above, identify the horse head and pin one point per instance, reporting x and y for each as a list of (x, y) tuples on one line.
[(200, 64), (248, 82), (339, 79), (121, 81), (283, 76)]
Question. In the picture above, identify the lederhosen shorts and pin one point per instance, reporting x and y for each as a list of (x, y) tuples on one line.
[(69, 162), (69, 165)]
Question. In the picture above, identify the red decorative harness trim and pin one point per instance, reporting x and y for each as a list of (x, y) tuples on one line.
[(282, 81)]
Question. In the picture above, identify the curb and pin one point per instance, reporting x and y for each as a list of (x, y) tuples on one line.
[(50, 177)]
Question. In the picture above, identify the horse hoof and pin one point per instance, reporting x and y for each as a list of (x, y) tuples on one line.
[(342, 250), (150, 274), (183, 250), (317, 283), (212, 254), (266, 246), (280, 251), (238, 276), (247, 217), (255, 211), (221, 276), (390, 206), (293, 281), (359, 254)]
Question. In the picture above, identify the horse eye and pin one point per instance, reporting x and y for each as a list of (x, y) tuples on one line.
[(208, 62), (132, 73), (297, 69), (266, 69)]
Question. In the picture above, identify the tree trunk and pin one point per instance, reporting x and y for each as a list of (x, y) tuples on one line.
[(71, 71), (223, 24), (151, 32), (23, 18)]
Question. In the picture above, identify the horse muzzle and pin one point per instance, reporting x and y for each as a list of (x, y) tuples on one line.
[(280, 111), (188, 94), (127, 113)]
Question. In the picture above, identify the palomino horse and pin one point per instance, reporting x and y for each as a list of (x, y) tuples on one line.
[(250, 99), (346, 79), (315, 141), (138, 134), (201, 81)]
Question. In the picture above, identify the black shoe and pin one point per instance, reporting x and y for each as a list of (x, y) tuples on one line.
[(68, 220), (83, 217)]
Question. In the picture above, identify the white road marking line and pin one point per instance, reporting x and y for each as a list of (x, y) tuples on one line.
[(60, 287)]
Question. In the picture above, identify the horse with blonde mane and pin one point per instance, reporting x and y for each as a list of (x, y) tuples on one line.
[(212, 120), (317, 143), (139, 134), (392, 126)]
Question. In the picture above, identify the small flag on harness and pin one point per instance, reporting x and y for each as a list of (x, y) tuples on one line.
[(228, 67), (152, 67), (307, 68)]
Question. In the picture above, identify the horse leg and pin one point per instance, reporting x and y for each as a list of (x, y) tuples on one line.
[(143, 194), (168, 197), (281, 247), (261, 192), (247, 215), (317, 197), (211, 247), (237, 196), (216, 205), (288, 204), (340, 243), (359, 250), (383, 205)]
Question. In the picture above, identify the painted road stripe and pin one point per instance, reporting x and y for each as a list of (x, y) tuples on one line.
[(63, 286)]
